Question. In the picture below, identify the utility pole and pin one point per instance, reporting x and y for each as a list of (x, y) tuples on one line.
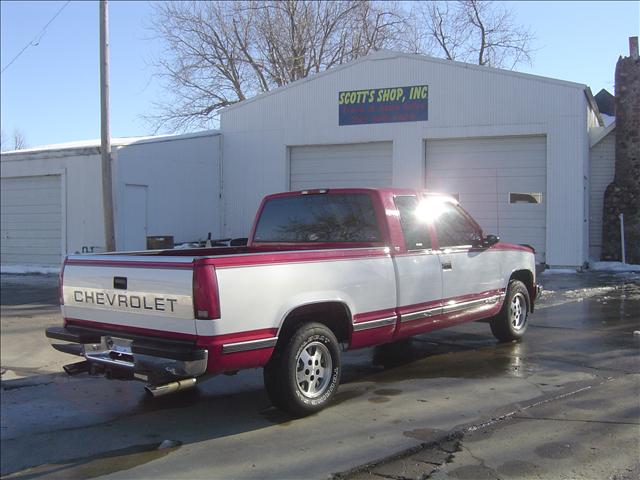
[(105, 144)]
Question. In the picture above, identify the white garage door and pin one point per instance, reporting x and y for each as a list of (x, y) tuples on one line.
[(31, 218), (500, 181), (339, 166)]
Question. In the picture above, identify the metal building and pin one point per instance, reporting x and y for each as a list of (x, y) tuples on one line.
[(514, 148), (529, 157), (51, 201)]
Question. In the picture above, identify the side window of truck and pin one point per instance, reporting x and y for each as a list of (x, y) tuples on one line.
[(453, 228), (415, 231)]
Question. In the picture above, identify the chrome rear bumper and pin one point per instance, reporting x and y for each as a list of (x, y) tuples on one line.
[(155, 361)]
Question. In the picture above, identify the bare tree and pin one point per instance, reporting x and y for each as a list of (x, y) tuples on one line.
[(220, 53), (474, 31), (18, 140)]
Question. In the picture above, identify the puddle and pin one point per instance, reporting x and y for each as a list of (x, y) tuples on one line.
[(388, 392), (98, 465), (519, 469), (423, 434), (379, 399), (555, 450)]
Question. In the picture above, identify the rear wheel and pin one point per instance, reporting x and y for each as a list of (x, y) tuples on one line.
[(303, 376), (511, 323)]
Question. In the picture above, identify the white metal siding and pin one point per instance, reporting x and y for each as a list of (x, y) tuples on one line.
[(601, 172), (181, 182), (31, 218), (464, 101), (335, 166), (483, 171)]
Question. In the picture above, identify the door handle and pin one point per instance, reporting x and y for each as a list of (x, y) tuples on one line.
[(447, 265)]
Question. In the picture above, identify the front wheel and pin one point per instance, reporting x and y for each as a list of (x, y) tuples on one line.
[(304, 376), (511, 322)]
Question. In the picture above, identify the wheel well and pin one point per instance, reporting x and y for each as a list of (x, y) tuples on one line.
[(526, 277), (335, 315)]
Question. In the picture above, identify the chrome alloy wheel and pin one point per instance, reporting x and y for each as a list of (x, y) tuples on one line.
[(313, 371), (518, 311)]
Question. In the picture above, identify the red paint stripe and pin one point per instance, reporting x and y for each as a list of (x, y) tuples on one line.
[(227, 338), (405, 309), (129, 329), (130, 264), (376, 315), (416, 307), (510, 246), (241, 336), (245, 260), (295, 257)]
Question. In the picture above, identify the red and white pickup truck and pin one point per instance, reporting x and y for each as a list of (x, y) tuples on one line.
[(323, 271)]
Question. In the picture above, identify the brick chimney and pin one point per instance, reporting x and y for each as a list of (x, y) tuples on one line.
[(623, 194)]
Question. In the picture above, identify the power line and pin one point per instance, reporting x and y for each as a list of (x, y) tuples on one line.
[(36, 40)]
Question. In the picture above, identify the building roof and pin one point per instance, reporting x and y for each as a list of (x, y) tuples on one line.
[(115, 142), (606, 102), (391, 54), (599, 133)]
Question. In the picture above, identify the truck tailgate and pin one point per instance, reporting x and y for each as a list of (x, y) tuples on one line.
[(130, 291)]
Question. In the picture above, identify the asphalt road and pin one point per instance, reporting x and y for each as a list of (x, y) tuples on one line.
[(564, 403)]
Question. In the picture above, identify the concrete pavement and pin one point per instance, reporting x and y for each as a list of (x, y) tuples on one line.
[(435, 396)]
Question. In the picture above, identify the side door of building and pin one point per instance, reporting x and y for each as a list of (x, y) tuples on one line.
[(471, 280), (418, 271)]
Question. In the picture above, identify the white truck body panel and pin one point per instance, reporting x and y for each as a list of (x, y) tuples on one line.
[(363, 284)]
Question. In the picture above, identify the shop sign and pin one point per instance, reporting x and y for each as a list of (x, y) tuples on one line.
[(383, 105)]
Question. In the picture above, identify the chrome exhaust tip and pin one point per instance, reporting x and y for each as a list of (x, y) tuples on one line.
[(167, 388)]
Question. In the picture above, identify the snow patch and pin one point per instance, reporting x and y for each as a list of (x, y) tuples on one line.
[(553, 271), (614, 267), (28, 269)]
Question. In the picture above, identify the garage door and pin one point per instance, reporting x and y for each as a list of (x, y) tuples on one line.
[(31, 220), (338, 166), (500, 181)]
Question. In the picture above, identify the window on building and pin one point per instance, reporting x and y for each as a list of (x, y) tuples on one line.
[(318, 218), (454, 228), (415, 231), (525, 197)]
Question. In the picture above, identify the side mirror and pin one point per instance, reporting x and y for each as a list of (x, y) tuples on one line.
[(489, 240)]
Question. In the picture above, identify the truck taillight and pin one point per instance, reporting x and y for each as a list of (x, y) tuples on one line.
[(206, 305), (61, 281)]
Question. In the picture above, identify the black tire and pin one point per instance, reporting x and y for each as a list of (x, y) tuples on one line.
[(511, 322), (302, 391)]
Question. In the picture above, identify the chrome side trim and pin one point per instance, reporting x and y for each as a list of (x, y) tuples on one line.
[(381, 322), (430, 312), (249, 345), (455, 307)]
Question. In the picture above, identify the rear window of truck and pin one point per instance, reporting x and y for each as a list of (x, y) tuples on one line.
[(318, 218)]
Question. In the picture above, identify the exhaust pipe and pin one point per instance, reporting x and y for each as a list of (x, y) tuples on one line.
[(76, 368), (160, 390)]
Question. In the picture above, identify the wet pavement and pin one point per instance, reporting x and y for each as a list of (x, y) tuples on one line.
[(452, 404)]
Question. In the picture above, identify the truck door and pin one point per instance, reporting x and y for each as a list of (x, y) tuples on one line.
[(471, 279), (418, 271)]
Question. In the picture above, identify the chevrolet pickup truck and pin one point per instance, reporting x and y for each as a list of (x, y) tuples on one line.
[(323, 271)]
